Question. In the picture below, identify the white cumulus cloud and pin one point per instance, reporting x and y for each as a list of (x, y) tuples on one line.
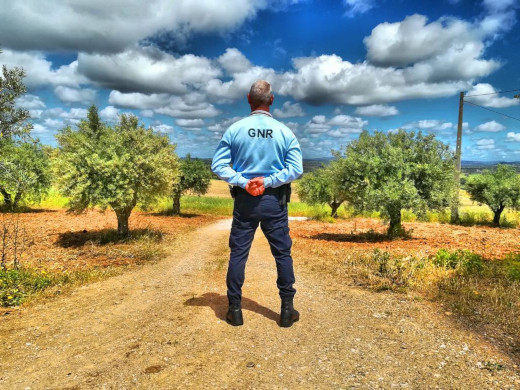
[(233, 61), (147, 70), (492, 127), (74, 95), (513, 137), (190, 123), (191, 106), (162, 128), (429, 124), (356, 7), (289, 110), (112, 26), (486, 95), (39, 70), (377, 110), (109, 114), (339, 126), (485, 143)]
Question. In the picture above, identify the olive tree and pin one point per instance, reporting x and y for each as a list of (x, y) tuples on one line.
[(24, 166), (321, 187), (24, 172), (117, 167), (194, 177), (497, 189), (13, 119), (396, 171)]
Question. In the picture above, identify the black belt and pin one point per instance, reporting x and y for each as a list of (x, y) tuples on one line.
[(283, 192)]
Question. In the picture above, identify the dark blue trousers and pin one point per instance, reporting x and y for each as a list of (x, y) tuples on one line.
[(250, 211)]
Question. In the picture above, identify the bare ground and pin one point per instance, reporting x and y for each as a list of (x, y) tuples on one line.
[(161, 327)]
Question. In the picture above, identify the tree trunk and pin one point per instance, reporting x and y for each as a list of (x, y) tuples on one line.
[(496, 217), (395, 228), (8, 201), (122, 221), (334, 205), (176, 203), (17, 198)]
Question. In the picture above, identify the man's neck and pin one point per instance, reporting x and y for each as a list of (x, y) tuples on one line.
[(260, 108)]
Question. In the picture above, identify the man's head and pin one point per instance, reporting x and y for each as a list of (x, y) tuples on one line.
[(260, 95)]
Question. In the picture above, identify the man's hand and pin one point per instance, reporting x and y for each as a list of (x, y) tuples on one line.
[(255, 186)]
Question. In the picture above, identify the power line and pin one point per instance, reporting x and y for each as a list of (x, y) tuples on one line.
[(496, 112), (493, 93)]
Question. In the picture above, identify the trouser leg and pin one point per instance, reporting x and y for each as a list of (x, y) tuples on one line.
[(277, 233), (240, 240)]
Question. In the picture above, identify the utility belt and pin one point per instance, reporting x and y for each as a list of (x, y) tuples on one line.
[(283, 192)]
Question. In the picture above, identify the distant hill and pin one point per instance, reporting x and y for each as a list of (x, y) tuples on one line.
[(468, 167)]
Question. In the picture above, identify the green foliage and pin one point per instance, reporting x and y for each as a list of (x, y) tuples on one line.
[(121, 167), (391, 172), (194, 177), (16, 285), (460, 259), (23, 164), (20, 285), (24, 171), (94, 123), (321, 187), (512, 266), (497, 189), (12, 119)]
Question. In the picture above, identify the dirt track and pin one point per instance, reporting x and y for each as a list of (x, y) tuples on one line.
[(161, 327)]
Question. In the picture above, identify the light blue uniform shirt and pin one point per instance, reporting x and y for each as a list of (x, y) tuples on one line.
[(258, 145)]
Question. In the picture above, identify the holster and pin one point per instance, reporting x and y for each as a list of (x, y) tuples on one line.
[(285, 194), (233, 191)]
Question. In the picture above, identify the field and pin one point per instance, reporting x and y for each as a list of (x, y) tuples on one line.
[(470, 271)]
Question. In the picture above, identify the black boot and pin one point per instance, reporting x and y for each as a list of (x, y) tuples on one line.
[(287, 314), (234, 315)]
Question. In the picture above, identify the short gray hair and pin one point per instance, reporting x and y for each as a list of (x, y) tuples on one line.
[(260, 93)]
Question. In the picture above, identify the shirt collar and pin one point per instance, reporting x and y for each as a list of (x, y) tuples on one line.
[(261, 112)]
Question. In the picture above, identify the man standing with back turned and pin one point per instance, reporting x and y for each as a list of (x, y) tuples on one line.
[(265, 157)]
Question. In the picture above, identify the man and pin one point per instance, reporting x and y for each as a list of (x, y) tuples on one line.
[(265, 157)]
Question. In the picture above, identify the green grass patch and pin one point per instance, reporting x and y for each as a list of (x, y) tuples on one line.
[(53, 200), (198, 205), (470, 214), (20, 285)]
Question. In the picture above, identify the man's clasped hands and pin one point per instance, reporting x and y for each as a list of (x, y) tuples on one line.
[(255, 186)]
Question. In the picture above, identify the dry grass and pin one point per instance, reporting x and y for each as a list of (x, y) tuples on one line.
[(477, 278)]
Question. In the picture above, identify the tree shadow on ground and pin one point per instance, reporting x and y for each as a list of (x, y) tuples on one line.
[(105, 236), (219, 304), (168, 213), (24, 210), (369, 236)]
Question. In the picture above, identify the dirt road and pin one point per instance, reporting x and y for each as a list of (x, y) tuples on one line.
[(162, 327)]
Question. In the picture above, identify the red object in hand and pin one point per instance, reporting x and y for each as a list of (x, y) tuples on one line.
[(255, 186)]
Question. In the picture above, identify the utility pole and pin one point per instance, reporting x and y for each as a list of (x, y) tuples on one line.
[(458, 164)]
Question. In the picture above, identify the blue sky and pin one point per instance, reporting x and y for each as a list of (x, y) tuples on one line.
[(337, 67)]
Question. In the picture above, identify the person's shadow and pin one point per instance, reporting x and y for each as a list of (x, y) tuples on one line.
[(219, 304)]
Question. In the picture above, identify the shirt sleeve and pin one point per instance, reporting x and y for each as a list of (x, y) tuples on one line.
[(221, 163), (293, 167)]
